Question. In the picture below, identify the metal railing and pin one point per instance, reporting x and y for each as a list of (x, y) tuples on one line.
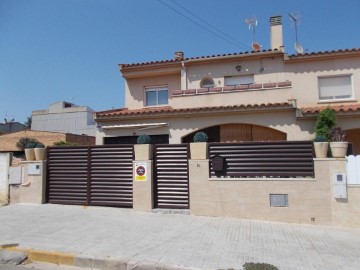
[(286, 159)]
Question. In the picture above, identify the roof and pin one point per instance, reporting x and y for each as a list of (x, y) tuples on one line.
[(303, 56), (333, 53), (123, 113), (11, 127), (337, 108), (198, 58), (8, 141)]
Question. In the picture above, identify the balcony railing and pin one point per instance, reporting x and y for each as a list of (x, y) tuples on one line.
[(233, 88)]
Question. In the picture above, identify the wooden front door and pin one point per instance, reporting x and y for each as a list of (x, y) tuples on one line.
[(248, 132)]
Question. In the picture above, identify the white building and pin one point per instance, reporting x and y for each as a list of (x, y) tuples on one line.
[(65, 117)]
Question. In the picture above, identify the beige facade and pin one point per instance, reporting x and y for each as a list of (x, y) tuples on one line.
[(311, 200), (262, 83)]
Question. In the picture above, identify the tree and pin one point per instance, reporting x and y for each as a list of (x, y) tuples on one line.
[(28, 122)]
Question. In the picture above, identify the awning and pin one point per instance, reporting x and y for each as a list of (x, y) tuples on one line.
[(139, 126)]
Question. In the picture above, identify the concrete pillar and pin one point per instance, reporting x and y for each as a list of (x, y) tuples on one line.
[(33, 188), (199, 190), (143, 178), (143, 189)]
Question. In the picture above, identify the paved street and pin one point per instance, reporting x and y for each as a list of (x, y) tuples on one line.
[(184, 240)]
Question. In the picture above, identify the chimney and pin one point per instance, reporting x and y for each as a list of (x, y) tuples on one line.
[(276, 35), (179, 55)]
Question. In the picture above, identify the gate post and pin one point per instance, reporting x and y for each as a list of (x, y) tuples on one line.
[(143, 179)]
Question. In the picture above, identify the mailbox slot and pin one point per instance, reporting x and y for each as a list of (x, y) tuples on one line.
[(218, 163)]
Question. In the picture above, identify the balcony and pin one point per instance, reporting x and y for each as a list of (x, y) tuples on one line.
[(231, 89)]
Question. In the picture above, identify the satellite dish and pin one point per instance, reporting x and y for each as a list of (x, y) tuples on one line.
[(298, 48), (256, 46)]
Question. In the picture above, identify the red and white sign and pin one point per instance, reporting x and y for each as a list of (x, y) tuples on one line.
[(140, 171)]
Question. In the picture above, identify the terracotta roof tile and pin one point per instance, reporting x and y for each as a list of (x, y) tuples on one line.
[(325, 52), (194, 58), (336, 108), (161, 110), (293, 56)]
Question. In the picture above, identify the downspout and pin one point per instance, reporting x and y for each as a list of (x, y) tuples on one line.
[(183, 76)]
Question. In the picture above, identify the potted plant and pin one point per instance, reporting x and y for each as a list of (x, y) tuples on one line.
[(321, 146), (337, 145), (27, 145), (143, 148), (325, 123), (39, 151), (198, 148)]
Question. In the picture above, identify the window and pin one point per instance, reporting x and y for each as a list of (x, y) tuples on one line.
[(156, 96), (332, 88), (237, 80), (207, 82)]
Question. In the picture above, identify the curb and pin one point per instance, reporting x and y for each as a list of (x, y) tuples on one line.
[(63, 258)]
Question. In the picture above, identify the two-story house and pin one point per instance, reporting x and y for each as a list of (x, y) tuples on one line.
[(250, 96)]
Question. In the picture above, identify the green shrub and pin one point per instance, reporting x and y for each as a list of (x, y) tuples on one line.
[(320, 138), (201, 137), (63, 143), (144, 139), (31, 145), (26, 142), (325, 123), (40, 145)]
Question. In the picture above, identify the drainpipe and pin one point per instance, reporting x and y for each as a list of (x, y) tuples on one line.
[(180, 56), (183, 76)]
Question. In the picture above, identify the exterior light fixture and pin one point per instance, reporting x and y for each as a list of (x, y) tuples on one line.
[(238, 68)]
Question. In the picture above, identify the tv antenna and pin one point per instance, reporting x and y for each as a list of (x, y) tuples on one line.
[(252, 22), (296, 19), (8, 120)]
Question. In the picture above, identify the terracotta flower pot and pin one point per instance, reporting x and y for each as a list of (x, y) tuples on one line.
[(339, 149), (321, 149), (40, 153), (29, 154)]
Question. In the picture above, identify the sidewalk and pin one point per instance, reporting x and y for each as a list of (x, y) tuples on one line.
[(103, 237)]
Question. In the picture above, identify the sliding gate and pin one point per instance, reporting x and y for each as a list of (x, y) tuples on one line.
[(90, 175), (171, 185)]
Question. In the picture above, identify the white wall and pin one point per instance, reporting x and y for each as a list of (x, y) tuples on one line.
[(71, 122), (4, 181)]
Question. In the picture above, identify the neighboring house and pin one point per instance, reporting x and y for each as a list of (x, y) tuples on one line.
[(251, 96), (10, 127), (65, 117), (8, 141)]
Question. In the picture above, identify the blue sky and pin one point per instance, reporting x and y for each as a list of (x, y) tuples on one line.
[(52, 50)]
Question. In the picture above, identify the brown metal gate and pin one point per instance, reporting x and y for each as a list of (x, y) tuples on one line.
[(94, 175), (288, 159), (171, 174)]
